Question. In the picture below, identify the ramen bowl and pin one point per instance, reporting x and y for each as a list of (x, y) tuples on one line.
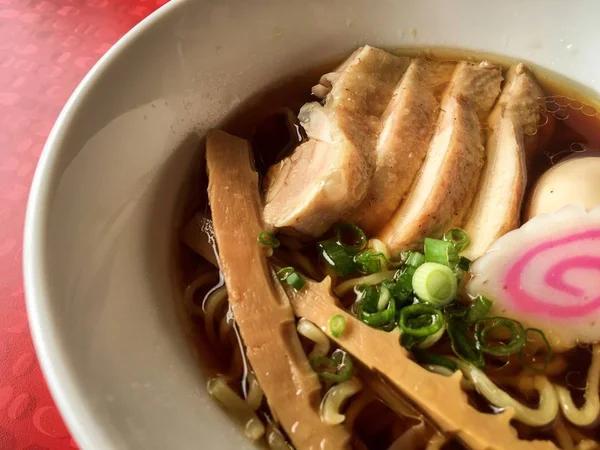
[(101, 276)]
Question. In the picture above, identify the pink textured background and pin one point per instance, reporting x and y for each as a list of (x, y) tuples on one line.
[(46, 47)]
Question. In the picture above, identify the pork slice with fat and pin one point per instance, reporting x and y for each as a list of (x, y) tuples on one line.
[(442, 192), (512, 125), (329, 175), (408, 126)]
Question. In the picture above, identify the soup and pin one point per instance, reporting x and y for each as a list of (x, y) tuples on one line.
[(403, 253)]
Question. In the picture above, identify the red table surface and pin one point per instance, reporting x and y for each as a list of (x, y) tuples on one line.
[(46, 47)]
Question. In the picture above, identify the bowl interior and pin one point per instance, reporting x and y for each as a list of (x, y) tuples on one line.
[(101, 225)]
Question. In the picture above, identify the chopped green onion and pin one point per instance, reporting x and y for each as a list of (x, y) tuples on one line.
[(267, 238), (500, 348), (384, 298), (548, 357), (414, 259), (431, 340), (421, 320), (338, 368), (368, 261), (291, 277), (351, 237), (378, 319), (337, 325), (464, 263), (403, 287), (479, 309), (425, 357), (337, 256), (455, 309), (464, 344), (441, 252), (458, 238), (368, 296), (408, 341), (435, 283)]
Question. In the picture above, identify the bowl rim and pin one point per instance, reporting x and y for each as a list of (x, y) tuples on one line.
[(54, 361)]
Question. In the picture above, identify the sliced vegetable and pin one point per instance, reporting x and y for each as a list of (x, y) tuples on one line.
[(378, 319), (504, 346), (464, 344), (338, 368), (291, 277), (435, 283), (267, 238), (426, 357), (458, 238), (547, 354), (337, 325), (337, 257), (369, 261), (441, 252), (479, 309), (421, 320), (414, 259), (351, 237)]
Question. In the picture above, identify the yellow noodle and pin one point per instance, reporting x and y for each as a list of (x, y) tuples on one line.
[(543, 415), (255, 392), (588, 444), (436, 442), (275, 438), (562, 435), (214, 302), (375, 278), (334, 399), (253, 427), (310, 331), (440, 370), (207, 279), (589, 412)]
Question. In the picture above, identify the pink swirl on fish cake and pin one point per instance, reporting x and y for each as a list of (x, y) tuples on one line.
[(555, 277)]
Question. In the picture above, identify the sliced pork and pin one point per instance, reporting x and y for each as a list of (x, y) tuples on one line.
[(446, 185), (329, 175), (512, 125), (259, 304), (408, 125)]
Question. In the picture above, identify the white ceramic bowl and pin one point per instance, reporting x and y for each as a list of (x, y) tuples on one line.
[(99, 238)]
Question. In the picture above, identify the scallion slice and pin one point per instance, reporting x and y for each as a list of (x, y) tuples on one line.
[(337, 256), (351, 237), (505, 346), (479, 309), (337, 325), (458, 238), (425, 357), (441, 252), (338, 368), (420, 320), (267, 238), (291, 277), (369, 261), (435, 283), (378, 319), (464, 344), (414, 259), (548, 354)]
